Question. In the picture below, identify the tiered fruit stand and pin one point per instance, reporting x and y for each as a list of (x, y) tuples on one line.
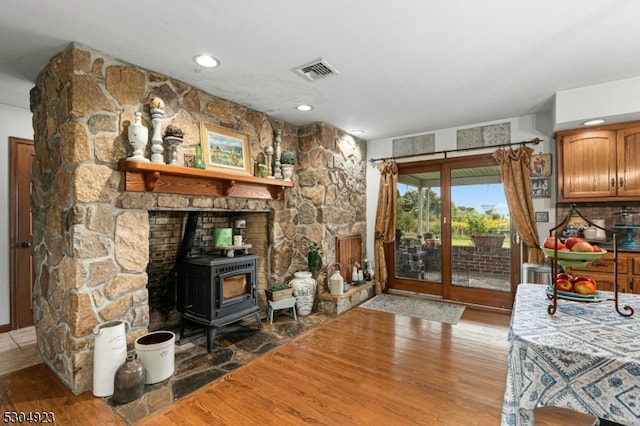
[(580, 259)]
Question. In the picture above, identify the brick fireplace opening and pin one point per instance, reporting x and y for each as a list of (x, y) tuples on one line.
[(166, 231)]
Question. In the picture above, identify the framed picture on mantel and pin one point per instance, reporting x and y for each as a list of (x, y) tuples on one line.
[(225, 150)]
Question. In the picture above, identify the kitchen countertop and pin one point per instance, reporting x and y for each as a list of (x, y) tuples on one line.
[(609, 247)]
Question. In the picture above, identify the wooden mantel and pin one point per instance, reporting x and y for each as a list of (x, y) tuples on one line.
[(162, 178)]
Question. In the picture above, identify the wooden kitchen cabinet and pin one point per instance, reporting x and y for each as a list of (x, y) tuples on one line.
[(599, 164), (602, 271), (634, 284), (628, 150)]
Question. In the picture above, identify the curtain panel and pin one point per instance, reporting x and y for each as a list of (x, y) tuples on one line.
[(385, 229), (515, 175)]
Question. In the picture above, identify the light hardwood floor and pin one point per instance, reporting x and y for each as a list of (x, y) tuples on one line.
[(362, 367)]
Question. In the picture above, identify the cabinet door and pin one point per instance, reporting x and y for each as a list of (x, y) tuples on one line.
[(587, 165), (634, 284), (628, 146)]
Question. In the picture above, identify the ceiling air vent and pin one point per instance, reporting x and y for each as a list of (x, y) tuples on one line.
[(316, 70)]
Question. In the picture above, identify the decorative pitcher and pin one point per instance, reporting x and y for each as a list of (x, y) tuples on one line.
[(109, 353)]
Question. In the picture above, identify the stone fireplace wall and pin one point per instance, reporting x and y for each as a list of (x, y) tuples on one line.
[(92, 238)]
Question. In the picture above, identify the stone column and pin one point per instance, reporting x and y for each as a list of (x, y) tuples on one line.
[(277, 171)]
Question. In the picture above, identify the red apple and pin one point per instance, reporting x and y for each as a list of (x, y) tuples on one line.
[(597, 249), (552, 242), (564, 285), (584, 287), (582, 246), (571, 241)]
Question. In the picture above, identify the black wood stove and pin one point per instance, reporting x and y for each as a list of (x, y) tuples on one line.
[(214, 291)]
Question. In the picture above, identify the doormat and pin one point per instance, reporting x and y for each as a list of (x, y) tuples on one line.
[(417, 308)]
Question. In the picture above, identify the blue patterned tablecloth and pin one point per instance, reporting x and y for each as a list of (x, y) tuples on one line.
[(586, 358)]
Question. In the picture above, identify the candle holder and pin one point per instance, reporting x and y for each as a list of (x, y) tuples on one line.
[(172, 143), (268, 153), (173, 135)]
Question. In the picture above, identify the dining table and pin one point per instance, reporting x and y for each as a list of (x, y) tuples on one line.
[(585, 357)]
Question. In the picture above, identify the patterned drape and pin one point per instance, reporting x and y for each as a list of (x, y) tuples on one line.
[(515, 172), (385, 230)]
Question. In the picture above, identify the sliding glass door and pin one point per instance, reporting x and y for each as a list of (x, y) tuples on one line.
[(453, 233)]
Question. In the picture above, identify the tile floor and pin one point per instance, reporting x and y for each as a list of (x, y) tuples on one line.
[(18, 350)]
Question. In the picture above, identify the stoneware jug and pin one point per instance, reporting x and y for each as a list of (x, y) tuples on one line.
[(109, 353), (128, 384), (336, 283)]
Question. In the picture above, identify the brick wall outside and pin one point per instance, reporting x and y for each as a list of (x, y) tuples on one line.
[(484, 261)]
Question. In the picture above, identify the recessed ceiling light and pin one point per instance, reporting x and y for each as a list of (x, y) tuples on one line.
[(593, 122), (304, 107), (356, 132), (206, 61)]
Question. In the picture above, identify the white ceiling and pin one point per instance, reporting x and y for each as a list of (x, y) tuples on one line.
[(405, 66)]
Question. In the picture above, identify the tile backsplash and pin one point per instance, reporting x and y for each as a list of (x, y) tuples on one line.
[(594, 211)]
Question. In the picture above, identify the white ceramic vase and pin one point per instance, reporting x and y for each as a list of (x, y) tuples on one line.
[(138, 136), (304, 290)]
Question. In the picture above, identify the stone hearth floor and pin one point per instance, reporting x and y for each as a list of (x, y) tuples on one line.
[(235, 345)]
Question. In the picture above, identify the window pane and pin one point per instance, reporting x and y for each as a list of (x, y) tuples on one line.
[(480, 229), (418, 227)]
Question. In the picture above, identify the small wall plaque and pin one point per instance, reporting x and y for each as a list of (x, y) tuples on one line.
[(542, 216)]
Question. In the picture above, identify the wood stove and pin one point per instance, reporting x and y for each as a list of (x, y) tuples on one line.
[(214, 291)]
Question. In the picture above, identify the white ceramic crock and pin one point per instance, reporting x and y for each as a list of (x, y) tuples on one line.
[(156, 351)]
